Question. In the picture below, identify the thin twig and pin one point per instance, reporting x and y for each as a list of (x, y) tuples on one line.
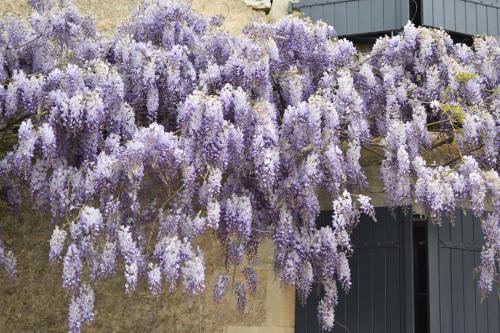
[(263, 231), (442, 142), (455, 135), (170, 197), (372, 151), (29, 42), (437, 122), (460, 156), (360, 62), (14, 122), (234, 273), (345, 327), (158, 219)]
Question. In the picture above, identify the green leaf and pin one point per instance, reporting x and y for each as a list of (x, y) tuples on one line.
[(463, 77), (455, 112)]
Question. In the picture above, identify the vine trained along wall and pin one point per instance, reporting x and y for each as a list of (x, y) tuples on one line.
[(174, 158)]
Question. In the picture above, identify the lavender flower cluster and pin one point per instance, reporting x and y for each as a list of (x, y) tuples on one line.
[(171, 129), (81, 309), (8, 261)]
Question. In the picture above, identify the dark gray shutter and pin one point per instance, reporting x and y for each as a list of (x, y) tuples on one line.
[(471, 17), (454, 300), (355, 17), (361, 17), (381, 297)]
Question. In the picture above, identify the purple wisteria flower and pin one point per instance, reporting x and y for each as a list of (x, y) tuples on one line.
[(131, 256), (251, 279), (365, 206), (238, 215), (326, 307), (241, 296), (72, 267), (154, 279), (171, 130), (220, 287), (57, 243), (8, 262), (193, 273), (81, 309), (107, 259)]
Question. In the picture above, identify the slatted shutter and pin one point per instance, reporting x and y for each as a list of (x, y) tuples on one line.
[(381, 297), (355, 17), (454, 300), (471, 17), (362, 17)]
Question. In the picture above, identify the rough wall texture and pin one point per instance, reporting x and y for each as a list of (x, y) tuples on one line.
[(110, 13), (36, 301)]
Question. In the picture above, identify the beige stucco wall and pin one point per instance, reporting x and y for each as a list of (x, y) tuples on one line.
[(110, 13), (36, 301)]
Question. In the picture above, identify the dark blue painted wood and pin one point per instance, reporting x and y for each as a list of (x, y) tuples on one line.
[(354, 17), (365, 297), (379, 284), (377, 14), (427, 14), (492, 15), (394, 279), (482, 20), (481, 307), (351, 323), (365, 16), (433, 278), (317, 12), (498, 21), (340, 311), (454, 300), (407, 270), (328, 13), (493, 313), (468, 275), (457, 271), (399, 14), (445, 279), (470, 18), (381, 298), (390, 14), (438, 13), (377, 299), (352, 13), (463, 16), (403, 11), (340, 18), (449, 15), (306, 11), (301, 317), (460, 16)]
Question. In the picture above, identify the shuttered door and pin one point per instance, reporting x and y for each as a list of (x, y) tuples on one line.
[(355, 17), (381, 297), (454, 300)]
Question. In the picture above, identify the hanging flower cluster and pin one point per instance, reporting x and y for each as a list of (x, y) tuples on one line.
[(172, 129)]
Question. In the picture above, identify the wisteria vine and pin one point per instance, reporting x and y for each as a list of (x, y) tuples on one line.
[(172, 129)]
